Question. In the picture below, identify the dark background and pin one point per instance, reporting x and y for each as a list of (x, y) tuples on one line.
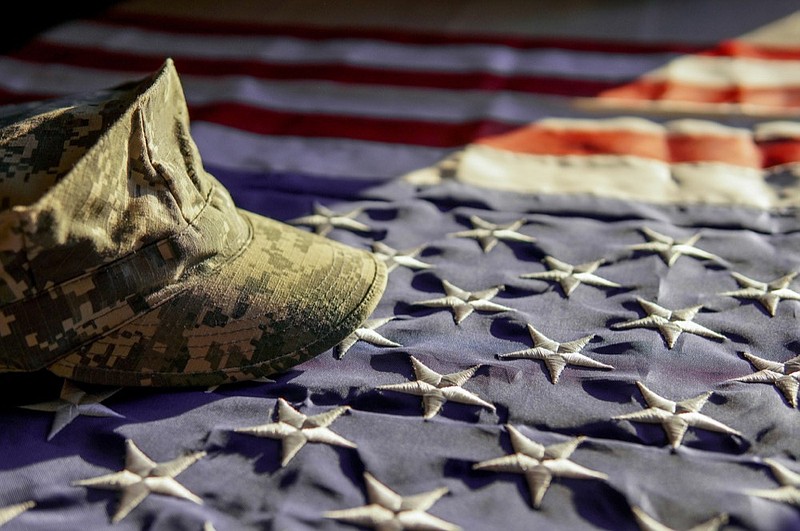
[(30, 18)]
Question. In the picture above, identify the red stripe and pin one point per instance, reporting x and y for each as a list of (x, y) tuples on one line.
[(200, 26), (776, 152), (668, 147), (735, 150), (538, 140), (736, 48), (42, 52), (643, 89), (412, 132), (8, 97)]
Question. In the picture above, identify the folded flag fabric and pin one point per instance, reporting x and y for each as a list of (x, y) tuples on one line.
[(590, 321)]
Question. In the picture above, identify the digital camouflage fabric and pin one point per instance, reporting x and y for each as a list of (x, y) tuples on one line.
[(125, 263)]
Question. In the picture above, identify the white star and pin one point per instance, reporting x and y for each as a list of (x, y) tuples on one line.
[(388, 511), (10, 512), (784, 376), (788, 492), (769, 294), (393, 258), (648, 523), (669, 323), (556, 356), (670, 249), (142, 476), (570, 277), (463, 303), (539, 464), (675, 417), (436, 389), (324, 220), (366, 332), (296, 429), (488, 234), (73, 402)]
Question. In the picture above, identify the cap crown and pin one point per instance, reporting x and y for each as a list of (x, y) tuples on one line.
[(106, 205)]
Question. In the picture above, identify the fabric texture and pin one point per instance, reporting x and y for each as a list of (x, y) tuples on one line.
[(590, 320)]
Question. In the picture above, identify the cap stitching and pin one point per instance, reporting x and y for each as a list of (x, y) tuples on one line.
[(116, 262), (125, 258), (241, 319), (379, 277), (160, 303)]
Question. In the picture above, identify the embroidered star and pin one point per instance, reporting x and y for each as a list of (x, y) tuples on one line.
[(648, 523), (539, 464), (784, 376), (295, 429), (556, 356), (393, 258), (436, 389), (389, 511), (669, 323), (788, 492), (488, 234), (462, 303), (670, 249), (142, 476), (324, 220), (73, 402), (366, 332), (675, 417), (10, 512), (769, 294), (570, 277)]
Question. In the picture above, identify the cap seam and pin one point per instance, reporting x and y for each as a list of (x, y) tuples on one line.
[(379, 277), (113, 263), (209, 334), (158, 166), (106, 311), (160, 303), (99, 338)]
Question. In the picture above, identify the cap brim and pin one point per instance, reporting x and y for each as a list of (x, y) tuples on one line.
[(288, 296)]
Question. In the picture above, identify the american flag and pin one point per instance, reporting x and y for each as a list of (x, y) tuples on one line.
[(589, 212)]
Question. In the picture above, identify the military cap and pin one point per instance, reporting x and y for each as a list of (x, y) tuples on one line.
[(124, 262)]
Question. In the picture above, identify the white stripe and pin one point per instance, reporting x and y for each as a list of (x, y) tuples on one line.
[(740, 112), (632, 124), (783, 32), (440, 105), (362, 52), (705, 127), (620, 177), (228, 148), (777, 130), (627, 123), (725, 72), (34, 78)]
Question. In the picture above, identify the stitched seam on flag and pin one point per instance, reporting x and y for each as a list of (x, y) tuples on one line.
[(344, 323)]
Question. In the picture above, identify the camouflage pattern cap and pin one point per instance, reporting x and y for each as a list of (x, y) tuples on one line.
[(123, 262)]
